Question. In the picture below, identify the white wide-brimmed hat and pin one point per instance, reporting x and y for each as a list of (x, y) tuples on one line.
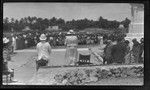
[(5, 40), (43, 37), (70, 32)]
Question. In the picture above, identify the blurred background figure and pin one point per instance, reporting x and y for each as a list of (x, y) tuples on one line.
[(107, 52), (136, 50), (119, 51), (141, 50), (13, 43), (127, 53)]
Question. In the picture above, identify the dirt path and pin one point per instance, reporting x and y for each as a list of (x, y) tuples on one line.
[(24, 64), (25, 72)]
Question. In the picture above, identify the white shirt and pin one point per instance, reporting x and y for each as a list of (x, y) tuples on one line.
[(43, 50), (71, 41), (13, 41)]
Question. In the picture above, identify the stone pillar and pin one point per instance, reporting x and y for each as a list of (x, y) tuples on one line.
[(136, 27)]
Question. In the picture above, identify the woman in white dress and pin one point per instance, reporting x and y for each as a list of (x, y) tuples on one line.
[(71, 50), (13, 43)]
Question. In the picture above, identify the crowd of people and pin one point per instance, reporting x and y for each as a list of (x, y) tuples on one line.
[(116, 50), (28, 40), (121, 53)]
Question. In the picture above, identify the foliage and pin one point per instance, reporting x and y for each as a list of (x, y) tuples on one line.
[(40, 24)]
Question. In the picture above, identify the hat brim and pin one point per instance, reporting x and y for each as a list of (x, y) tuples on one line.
[(5, 40), (68, 33), (43, 39)]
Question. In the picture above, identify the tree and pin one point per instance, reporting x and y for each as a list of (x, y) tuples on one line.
[(53, 21), (126, 23), (6, 24)]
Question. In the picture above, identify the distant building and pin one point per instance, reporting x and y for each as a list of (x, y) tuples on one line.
[(56, 28), (26, 28)]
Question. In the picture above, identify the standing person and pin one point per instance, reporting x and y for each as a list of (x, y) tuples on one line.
[(25, 40), (35, 40), (119, 52), (136, 50), (71, 51), (14, 43), (107, 52), (43, 51), (21, 42), (6, 66), (128, 54), (5, 42), (51, 40), (17, 42), (141, 50), (7, 59)]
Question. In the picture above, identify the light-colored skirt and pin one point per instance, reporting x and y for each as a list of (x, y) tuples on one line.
[(71, 55)]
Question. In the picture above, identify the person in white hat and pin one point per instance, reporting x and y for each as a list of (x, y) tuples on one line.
[(6, 42), (43, 51), (71, 50), (13, 44)]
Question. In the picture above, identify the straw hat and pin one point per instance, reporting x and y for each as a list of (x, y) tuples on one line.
[(43, 37)]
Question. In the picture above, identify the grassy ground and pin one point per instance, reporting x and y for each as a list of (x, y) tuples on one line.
[(24, 63)]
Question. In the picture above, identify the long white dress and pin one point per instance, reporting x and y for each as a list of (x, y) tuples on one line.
[(71, 54), (14, 43)]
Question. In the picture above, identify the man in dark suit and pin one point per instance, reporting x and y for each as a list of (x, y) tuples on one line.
[(107, 52), (118, 52)]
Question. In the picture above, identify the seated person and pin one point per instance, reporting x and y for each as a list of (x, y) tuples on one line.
[(43, 51), (42, 62)]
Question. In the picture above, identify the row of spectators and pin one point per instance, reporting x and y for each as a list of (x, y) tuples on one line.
[(122, 53), (117, 49), (27, 40)]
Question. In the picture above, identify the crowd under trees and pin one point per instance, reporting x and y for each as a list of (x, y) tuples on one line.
[(35, 23)]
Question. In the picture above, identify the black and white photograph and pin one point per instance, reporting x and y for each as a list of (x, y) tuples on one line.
[(57, 43)]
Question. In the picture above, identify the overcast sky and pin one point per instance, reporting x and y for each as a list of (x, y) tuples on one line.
[(68, 11)]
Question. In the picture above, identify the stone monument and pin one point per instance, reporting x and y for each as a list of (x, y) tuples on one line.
[(136, 27)]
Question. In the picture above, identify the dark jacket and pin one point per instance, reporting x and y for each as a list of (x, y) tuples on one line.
[(136, 51), (119, 52), (107, 54)]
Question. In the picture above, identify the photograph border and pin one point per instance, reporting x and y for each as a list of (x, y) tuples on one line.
[(146, 46)]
